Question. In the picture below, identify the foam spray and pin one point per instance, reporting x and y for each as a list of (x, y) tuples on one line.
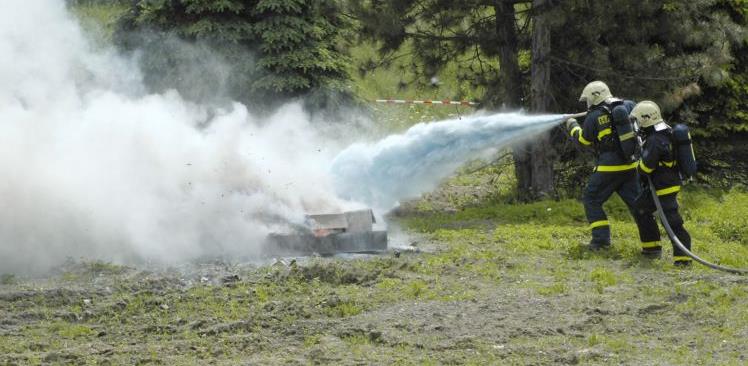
[(405, 165)]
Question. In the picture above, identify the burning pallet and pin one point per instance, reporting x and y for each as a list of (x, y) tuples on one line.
[(327, 234)]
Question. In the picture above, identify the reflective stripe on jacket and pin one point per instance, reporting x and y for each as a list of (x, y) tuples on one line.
[(659, 162)]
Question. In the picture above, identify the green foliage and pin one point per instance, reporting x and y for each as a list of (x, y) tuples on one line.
[(726, 216), (438, 35), (651, 60), (393, 76), (721, 110), (494, 290), (558, 288), (602, 278), (67, 330), (274, 49), (99, 17), (105, 268), (344, 310), (557, 212), (688, 56), (7, 279)]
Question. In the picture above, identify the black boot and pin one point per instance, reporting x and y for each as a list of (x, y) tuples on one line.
[(596, 245), (651, 250), (682, 261)]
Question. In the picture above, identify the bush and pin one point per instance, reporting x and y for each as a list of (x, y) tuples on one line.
[(728, 218)]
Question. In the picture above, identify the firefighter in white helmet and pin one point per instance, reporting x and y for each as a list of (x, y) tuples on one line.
[(608, 129), (659, 160)]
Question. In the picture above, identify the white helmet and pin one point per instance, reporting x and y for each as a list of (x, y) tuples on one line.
[(647, 113), (595, 93)]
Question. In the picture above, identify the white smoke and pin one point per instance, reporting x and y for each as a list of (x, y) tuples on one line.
[(92, 166)]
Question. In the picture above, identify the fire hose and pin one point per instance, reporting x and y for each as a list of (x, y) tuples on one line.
[(677, 242), (663, 219)]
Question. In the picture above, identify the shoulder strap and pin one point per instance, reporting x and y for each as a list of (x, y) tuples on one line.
[(608, 105)]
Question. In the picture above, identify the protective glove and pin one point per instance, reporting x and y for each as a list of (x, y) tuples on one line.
[(571, 123)]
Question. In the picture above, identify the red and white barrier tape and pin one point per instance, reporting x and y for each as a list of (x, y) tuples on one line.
[(427, 102)]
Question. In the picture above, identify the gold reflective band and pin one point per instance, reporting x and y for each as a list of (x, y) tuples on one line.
[(599, 224), (644, 167), (669, 190), (651, 244), (604, 133), (615, 168), (668, 164), (581, 139), (626, 136), (682, 258)]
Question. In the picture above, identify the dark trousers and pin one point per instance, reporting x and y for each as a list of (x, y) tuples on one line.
[(670, 209), (601, 186)]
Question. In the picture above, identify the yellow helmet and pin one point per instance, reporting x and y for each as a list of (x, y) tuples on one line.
[(647, 113), (595, 93)]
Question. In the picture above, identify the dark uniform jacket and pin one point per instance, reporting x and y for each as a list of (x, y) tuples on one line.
[(597, 130), (658, 160)]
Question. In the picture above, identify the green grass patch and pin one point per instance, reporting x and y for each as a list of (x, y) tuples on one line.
[(68, 330), (602, 278), (8, 279), (557, 288), (344, 309)]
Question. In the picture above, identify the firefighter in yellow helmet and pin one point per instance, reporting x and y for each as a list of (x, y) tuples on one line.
[(659, 160), (608, 129)]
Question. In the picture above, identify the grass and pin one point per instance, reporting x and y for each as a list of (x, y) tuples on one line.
[(506, 283), (7, 279), (500, 283), (716, 221)]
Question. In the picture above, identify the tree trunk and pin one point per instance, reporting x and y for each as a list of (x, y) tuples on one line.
[(542, 152), (506, 31)]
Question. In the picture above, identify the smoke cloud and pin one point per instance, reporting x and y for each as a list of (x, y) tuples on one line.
[(93, 166)]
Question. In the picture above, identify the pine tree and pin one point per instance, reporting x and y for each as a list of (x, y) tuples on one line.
[(677, 53), (277, 49), (655, 49), (485, 38), (643, 49), (722, 110)]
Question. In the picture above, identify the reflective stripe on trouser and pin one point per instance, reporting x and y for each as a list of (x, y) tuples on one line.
[(668, 190), (652, 246), (615, 168), (599, 189)]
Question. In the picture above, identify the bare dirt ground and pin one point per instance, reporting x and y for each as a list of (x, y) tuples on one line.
[(471, 304), (492, 284)]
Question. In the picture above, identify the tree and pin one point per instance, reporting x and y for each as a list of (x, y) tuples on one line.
[(655, 49), (722, 109), (540, 96), (685, 55), (276, 49), (485, 37)]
